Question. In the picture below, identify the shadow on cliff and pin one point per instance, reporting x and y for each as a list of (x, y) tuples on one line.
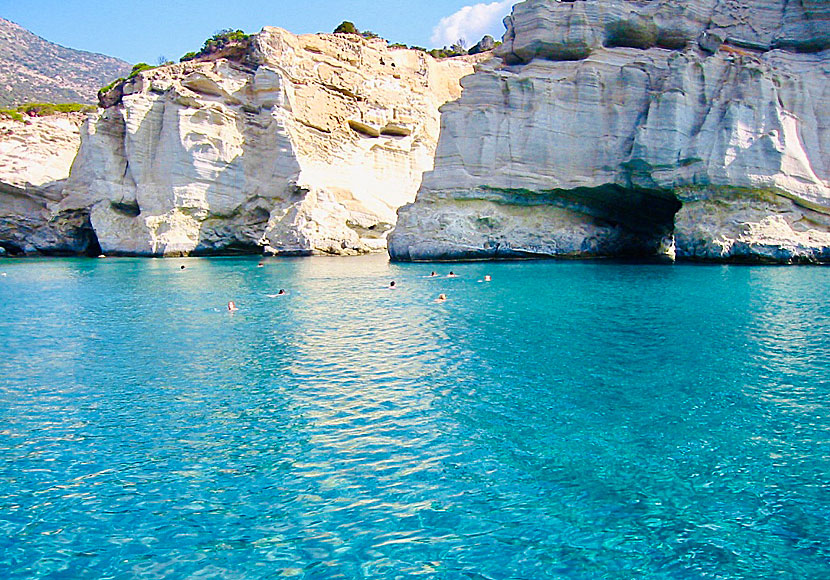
[(28, 226)]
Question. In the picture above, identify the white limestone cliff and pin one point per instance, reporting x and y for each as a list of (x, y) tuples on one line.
[(303, 144), (35, 157), (696, 130)]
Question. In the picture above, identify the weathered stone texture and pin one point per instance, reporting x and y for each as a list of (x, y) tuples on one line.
[(612, 109)]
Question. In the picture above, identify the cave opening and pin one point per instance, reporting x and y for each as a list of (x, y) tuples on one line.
[(645, 216), (11, 249), (93, 246)]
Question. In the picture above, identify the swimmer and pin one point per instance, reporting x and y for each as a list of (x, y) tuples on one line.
[(451, 274), (232, 307), (280, 293), (260, 265), (392, 285), (433, 275), (487, 278), (441, 298), (182, 266)]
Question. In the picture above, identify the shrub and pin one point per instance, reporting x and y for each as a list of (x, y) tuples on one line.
[(45, 110), (346, 27), (454, 50), (217, 42), (142, 66), (109, 87), (222, 39), (11, 114)]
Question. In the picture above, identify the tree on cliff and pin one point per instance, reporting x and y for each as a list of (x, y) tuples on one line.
[(221, 39), (346, 27)]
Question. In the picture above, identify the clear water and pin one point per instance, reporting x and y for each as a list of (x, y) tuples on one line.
[(566, 420)]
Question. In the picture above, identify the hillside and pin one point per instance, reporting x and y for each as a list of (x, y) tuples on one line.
[(35, 70)]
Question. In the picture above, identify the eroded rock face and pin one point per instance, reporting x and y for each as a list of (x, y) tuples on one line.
[(35, 157), (617, 127), (307, 144)]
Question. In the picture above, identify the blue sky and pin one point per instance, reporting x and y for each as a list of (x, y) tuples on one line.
[(142, 31)]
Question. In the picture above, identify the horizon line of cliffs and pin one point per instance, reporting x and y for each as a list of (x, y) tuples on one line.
[(285, 144), (692, 130), (614, 128)]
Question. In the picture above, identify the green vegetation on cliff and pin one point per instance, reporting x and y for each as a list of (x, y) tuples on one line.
[(140, 67), (44, 110), (457, 49), (217, 42), (347, 27)]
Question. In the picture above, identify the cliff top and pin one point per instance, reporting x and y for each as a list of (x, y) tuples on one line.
[(278, 47), (571, 30)]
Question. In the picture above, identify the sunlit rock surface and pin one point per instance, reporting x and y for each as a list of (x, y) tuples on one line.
[(696, 130), (303, 144)]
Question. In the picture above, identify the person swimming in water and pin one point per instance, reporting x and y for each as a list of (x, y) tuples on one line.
[(487, 278), (281, 292), (441, 298), (232, 307), (451, 274), (433, 275), (392, 285), (260, 265), (182, 266)]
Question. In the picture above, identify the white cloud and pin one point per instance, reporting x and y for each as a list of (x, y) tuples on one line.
[(471, 23)]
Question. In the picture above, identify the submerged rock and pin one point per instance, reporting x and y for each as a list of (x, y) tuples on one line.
[(697, 130)]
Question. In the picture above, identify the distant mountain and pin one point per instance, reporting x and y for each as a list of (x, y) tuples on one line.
[(35, 70)]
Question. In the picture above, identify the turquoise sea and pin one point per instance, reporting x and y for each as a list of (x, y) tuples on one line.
[(572, 420)]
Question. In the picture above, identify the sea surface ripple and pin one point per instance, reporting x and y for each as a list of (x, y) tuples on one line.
[(570, 420)]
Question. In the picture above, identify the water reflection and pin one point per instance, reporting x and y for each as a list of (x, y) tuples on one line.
[(575, 420)]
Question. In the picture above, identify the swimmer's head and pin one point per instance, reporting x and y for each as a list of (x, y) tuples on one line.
[(392, 284), (281, 292)]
